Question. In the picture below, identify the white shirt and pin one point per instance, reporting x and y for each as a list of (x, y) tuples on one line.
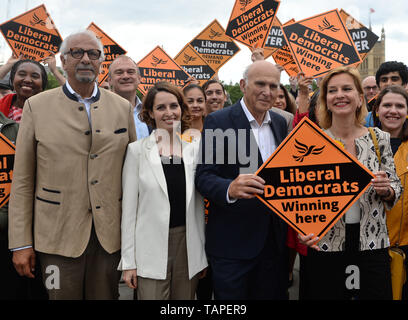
[(87, 101), (263, 135)]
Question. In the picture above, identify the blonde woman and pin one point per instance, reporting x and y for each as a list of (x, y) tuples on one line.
[(358, 242)]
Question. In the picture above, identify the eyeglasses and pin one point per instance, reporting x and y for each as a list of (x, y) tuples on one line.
[(78, 53), (368, 88)]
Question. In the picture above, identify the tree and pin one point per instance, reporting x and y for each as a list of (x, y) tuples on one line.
[(234, 92), (52, 82)]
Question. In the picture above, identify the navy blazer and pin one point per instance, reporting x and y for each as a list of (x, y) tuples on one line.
[(237, 230)]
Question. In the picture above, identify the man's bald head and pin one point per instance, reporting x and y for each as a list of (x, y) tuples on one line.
[(260, 87), (370, 87), (122, 58), (261, 65)]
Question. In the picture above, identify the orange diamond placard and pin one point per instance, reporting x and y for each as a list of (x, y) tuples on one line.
[(275, 39), (321, 43), (194, 65), (157, 66), (32, 34), (311, 181), (110, 48), (214, 46), (251, 21), (7, 151), (364, 39)]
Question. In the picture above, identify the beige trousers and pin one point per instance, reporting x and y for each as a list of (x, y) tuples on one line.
[(177, 285), (92, 276)]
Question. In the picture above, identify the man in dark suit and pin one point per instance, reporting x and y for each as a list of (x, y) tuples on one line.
[(245, 241)]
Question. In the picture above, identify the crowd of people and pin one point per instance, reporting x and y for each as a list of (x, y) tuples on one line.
[(162, 191)]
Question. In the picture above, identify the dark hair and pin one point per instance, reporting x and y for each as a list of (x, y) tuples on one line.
[(194, 86), (15, 67), (210, 82), (392, 66), (290, 101), (391, 89), (148, 102)]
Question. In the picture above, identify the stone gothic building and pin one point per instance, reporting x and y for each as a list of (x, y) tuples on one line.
[(374, 58)]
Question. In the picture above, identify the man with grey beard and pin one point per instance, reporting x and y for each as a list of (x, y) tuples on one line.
[(65, 205)]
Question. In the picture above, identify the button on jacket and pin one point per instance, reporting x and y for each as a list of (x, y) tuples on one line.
[(67, 175)]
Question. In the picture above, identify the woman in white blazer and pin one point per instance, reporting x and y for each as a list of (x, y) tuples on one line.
[(162, 213)]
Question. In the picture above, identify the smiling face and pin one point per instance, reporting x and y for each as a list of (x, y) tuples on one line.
[(215, 97), (261, 88), (280, 101), (166, 110), (196, 102), (27, 80), (392, 113), (391, 78), (124, 76), (343, 98), (370, 87)]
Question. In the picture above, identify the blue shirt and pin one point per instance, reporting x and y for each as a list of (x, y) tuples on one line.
[(369, 120), (142, 131)]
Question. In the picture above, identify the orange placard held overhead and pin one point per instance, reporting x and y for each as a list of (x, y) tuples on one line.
[(283, 56), (32, 34), (7, 151), (321, 43), (251, 20), (110, 48), (156, 67), (275, 39), (364, 39), (311, 180), (291, 68), (194, 65), (214, 46)]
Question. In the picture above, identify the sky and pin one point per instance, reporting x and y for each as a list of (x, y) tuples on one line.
[(138, 26)]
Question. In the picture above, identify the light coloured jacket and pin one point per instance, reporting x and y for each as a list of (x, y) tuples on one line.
[(68, 175), (146, 212)]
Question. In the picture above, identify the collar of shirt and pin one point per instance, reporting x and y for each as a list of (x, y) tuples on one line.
[(263, 133), (138, 105), (251, 119), (87, 101), (80, 99)]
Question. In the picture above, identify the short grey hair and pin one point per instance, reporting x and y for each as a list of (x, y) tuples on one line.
[(245, 75), (64, 46), (123, 56)]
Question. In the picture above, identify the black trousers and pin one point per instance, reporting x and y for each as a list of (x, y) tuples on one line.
[(347, 275), (264, 277), (15, 287)]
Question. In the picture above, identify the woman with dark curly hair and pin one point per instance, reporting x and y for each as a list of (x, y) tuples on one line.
[(162, 213), (27, 77)]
